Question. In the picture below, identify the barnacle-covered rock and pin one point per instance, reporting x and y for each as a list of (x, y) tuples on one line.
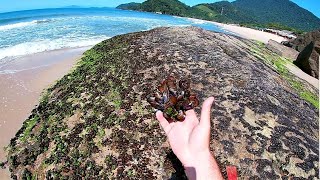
[(172, 99), (94, 123)]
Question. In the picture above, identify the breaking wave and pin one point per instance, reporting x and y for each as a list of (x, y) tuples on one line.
[(22, 24), (48, 45)]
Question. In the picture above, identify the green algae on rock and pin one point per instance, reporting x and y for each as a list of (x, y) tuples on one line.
[(95, 123)]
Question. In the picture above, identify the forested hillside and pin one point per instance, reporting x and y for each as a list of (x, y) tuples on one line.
[(282, 12), (277, 14)]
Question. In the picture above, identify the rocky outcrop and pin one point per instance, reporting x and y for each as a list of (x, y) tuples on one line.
[(96, 123), (302, 41), (308, 59), (308, 45), (282, 50)]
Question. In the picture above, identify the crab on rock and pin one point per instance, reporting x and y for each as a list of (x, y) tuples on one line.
[(172, 99)]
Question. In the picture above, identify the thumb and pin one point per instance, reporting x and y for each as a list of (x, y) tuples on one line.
[(205, 113), (163, 122)]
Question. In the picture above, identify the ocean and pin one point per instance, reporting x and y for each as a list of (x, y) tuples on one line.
[(33, 31)]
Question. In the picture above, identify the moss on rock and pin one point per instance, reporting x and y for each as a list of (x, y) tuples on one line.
[(95, 122)]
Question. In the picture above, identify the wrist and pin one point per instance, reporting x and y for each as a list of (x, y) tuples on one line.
[(199, 158), (203, 166)]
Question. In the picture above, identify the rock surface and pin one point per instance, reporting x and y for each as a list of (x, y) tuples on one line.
[(308, 59), (282, 50), (302, 41), (96, 123)]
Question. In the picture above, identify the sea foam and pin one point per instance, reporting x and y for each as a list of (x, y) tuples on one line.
[(22, 24), (53, 29), (33, 47)]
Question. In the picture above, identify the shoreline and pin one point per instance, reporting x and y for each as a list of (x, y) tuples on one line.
[(21, 91), (249, 33), (27, 62), (244, 32)]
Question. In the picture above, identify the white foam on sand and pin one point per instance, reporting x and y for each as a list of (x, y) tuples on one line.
[(197, 21), (12, 71), (28, 48)]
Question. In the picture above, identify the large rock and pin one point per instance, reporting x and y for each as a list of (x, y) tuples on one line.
[(282, 50), (302, 41), (308, 59), (95, 122), (308, 45)]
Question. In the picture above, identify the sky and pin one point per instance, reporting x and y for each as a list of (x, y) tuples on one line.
[(15, 5)]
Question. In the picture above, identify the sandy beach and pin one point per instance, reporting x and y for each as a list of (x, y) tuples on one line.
[(21, 89), (249, 33), (244, 32)]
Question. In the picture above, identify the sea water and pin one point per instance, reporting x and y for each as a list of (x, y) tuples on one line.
[(33, 31)]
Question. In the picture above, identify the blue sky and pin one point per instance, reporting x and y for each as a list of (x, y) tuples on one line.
[(14, 5)]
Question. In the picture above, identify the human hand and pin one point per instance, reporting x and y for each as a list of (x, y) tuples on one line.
[(190, 141)]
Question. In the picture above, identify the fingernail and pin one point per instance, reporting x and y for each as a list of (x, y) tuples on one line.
[(158, 111), (211, 99)]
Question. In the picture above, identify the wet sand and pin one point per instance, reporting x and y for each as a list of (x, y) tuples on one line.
[(21, 89)]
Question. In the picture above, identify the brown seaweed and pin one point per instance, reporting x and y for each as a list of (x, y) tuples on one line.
[(173, 98)]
